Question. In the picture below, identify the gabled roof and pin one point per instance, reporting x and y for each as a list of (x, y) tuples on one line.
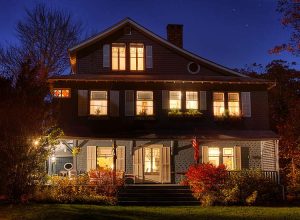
[(163, 41)]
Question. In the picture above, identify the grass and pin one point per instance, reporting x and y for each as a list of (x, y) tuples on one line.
[(66, 212)]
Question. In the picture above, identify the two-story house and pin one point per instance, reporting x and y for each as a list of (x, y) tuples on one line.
[(142, 98)]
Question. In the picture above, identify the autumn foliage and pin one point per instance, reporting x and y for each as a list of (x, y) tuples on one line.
[(205, 177)]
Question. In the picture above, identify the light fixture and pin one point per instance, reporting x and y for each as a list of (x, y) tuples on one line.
[(53, 159), (36, 142)]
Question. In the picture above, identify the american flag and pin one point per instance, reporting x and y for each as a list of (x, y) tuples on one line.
[(195, 145)]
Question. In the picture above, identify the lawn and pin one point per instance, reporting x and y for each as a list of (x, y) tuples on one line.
[(66, 212)]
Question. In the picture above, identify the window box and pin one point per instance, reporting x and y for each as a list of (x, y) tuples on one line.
[(191, 113), (226, 117)]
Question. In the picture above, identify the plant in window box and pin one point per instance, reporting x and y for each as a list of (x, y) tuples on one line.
[(225, 117), (175, 113), (76, 151), (143, 113), (98, 111), (193, 113)]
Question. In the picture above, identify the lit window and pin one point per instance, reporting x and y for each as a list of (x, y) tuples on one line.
[(233, 104), (137, 57), (98, 103), (214, 156), (144, 103), (228, 158), (175, 99), (61, 93), (219, 105), (152, 160), (118, 56), (105, 157), (191, 100)]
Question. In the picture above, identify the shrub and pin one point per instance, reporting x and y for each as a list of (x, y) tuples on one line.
[(249, 187), (205, 181), (97, 187)]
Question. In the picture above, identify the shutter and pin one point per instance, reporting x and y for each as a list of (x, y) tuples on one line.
[(166, 168), (91, 158), (120, 163), (149, 60), (245, 157), (204, 154), (138, 165), (129, 103), (82, 102), (237, 157), (165, 99), (203, 100), (114, 103), (106, 55), (246, 104)]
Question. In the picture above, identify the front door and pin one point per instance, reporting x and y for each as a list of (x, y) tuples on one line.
[(151, 164)]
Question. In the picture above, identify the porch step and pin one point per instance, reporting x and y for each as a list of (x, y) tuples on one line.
[(156, 195)]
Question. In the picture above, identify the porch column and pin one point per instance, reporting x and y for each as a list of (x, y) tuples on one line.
[(114, 161)]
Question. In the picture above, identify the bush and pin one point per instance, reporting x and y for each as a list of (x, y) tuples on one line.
[(205, 181), (94, 188), (249, 187), (214, 185)]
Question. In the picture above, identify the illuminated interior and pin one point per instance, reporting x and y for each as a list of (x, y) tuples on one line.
[(191, 100), (175, 99), (118, 57), (144, 103), (98, 103), (233, 104), (61, 93), (105, 157), (214, 156), (152, 160), (228, 158), (137, 57), (219, 105)]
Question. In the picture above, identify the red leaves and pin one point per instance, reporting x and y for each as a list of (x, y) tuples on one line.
[(205, 177)]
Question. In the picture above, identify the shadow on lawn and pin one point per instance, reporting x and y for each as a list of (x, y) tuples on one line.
[(73, 212)]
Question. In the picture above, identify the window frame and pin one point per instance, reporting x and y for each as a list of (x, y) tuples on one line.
[(136, 58), (104, 156), (239, 104), (224, 104), (60, 97), (152, 161), (186, 101), (118, 45), (180, 100), (221, 156), (136, 101), (107, 103)]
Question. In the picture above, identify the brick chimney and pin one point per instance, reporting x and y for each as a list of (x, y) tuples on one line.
[(175, 34)]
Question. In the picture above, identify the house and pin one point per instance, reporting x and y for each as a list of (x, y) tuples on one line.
[(144, 99)]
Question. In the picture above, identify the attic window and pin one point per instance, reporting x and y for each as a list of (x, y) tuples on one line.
[(193, 67)]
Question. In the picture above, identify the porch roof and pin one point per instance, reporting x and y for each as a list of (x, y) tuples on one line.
[(207, 135)]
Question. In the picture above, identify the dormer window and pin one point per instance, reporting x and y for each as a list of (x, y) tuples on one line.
[(118, 56), (137, 57)]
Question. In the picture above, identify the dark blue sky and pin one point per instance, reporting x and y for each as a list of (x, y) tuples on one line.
[(230, 32)]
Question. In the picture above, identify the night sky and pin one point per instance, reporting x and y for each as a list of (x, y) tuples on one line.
[(230, 32)]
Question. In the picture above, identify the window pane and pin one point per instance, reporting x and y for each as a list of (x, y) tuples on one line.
[(132, 63), (155, 159), (136, 57), (214, 156), (175, 99), (147, 161), (118, 57), (122, 63), (115, 63), (144, 95), (213, 151), (191, 100), (218, 104), (233, 104), (228, 159), (104, 157), (144, 107), (98, 95)]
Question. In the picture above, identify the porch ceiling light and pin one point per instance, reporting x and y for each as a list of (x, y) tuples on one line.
[(53, 159)]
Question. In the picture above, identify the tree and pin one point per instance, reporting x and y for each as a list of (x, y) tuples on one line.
[(27, 127), (290, 12), (44, 37)]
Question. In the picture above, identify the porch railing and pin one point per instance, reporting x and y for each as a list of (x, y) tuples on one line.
[(271, 175)]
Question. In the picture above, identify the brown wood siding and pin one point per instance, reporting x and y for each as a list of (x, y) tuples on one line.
[(165, 60), (69, 117)]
